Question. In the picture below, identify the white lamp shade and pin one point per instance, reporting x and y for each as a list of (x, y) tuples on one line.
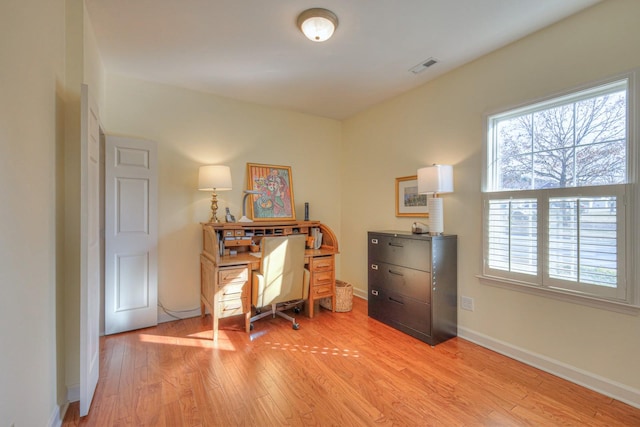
[(214, 177), (435, 179), (318, 24)]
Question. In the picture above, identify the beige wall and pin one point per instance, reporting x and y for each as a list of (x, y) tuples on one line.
[(193, 129), (93, 68), (31, 142), (442, 122)]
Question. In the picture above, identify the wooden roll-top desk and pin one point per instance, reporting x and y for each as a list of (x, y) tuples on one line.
[(228, 257)]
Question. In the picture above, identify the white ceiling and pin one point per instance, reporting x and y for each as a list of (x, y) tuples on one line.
[(251, 50)]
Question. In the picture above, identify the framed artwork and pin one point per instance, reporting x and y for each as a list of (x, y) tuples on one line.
[(275, 200), (408, 201)]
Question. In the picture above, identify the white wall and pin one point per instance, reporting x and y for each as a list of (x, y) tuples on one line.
[(193, 129), (31, 141), (442, 122)]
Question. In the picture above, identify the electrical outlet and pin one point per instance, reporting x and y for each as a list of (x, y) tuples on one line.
[(466, 303)]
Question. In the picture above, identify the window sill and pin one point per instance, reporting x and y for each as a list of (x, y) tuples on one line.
[(619, 307)]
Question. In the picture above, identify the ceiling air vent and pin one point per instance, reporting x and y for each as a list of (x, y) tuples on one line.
[(424, 65)]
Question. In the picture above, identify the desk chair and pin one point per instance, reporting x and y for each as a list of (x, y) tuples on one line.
[(282, 282)]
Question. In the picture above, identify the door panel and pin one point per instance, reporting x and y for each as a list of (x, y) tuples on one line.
[(132, 200), (90, 249), (132, 282)]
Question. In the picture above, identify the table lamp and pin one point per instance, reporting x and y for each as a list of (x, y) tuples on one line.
[(436, 179), (214, 178)]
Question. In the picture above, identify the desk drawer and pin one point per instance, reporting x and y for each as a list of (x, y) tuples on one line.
[(237, 242), (233, 307), (324, 263), (232, 291), (322, 278), (232, 274), (321, 291)]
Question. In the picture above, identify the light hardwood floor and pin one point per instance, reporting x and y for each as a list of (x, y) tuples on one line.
[(341, 369)]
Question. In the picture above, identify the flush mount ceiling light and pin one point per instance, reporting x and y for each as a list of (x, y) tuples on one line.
[(317, 24)]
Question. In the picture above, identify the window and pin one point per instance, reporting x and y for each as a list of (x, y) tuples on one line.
[(555, 192)]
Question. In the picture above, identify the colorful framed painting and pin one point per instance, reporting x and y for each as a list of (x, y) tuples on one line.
[(408, 201), (275, 198)]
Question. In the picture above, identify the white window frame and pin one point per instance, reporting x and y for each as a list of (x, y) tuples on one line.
[(626, 297)]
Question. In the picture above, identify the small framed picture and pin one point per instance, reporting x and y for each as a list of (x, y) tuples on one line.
[(408, 201), (275, 184)]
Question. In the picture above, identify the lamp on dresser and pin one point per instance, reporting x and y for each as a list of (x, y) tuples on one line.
[(214, 178), (436, 179)]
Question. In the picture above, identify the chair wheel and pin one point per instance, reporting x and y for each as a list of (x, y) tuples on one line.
[(251, 327), (296, 326), (296, 310)]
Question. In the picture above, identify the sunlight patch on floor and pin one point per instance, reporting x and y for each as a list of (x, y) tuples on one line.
[(313, 349), (200, 339)]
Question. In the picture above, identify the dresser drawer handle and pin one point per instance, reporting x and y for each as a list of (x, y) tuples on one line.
[(395, 273), (396, 245), (396, 301), (232, 307), (233, 277)]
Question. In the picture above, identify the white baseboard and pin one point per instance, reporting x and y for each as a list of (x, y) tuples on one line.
[(163, 316), (361, 293), (56, 418), (73, 393), (615, 390)]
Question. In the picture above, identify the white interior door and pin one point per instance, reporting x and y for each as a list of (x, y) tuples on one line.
[(131, 236), (90, 248)]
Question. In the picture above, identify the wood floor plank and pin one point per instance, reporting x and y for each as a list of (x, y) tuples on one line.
[(338, 369), (103, 412), (126, 386), (148, 405), (291, 408), (203, 410), (189, 410), (173, 414), (110, 370), (617, 413)]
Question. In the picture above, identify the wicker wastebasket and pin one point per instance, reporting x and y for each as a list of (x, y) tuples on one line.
[(344, 297)]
